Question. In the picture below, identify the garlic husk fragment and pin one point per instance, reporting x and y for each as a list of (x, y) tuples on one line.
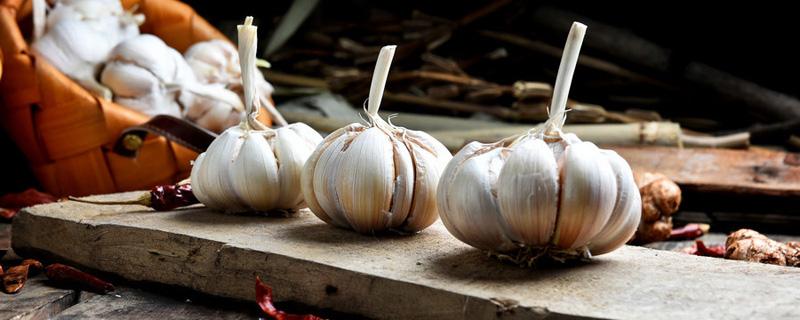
[(544, 193), (376, 177), (78, 36), (251, 167), (147, 75)]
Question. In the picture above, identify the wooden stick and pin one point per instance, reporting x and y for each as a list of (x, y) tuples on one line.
[(586, 61), (440, 76), (628, 47), (646, 133), (295, 80), (736, 140)]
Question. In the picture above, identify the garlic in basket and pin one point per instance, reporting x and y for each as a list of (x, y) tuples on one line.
[(545, 193), (251, 167), (217, 62), (79, 35), (147, 75), (376, 177)]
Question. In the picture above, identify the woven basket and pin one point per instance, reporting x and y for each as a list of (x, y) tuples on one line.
[(65, 132)]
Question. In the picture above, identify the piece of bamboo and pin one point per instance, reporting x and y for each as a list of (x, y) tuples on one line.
[(644, 133)]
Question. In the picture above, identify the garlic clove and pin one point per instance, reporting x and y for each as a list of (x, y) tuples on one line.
[(253, 171), (588, 195), (367, 163), (128, 80), (291, 151), (527, 192), (430, 157), (213, 174), (403, 193), (627, 211), (466, 200), (198, 181), (316, 184)]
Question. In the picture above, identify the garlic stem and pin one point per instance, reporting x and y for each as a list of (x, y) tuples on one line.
[(379, 77), (248, 42), (569, 59), (247, 60)]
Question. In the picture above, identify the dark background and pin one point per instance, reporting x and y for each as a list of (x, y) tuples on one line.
[(752, 41)]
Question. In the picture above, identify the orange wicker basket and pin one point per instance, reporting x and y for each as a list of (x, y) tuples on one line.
[(65, 132)]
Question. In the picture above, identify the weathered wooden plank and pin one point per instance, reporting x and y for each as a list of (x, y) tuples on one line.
[(425, 276), (128, 303), (37, 301), (756, 171)]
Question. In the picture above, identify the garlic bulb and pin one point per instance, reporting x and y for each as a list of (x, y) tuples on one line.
[(544, 193), (216, 62), (251, 167), (79, 35), (147, 75), (376, 177)]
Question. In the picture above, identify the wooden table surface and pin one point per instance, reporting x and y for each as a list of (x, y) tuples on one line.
[(40, 300)]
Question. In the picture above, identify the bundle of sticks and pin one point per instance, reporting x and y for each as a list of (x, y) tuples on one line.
[(476, 61)]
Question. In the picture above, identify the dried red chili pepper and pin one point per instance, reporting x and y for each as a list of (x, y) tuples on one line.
[(34, 266), (69, 276), (14, 279), (689, 232), (12, 202), (699, 248), (160, 198), (264, 300)]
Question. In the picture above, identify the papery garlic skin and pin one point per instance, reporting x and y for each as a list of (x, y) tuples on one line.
[(625, 218), (216, 62), (79, 35), (370, 180), (249, 170), (377, 177), (543, 193), (251, 167), (147, 75)]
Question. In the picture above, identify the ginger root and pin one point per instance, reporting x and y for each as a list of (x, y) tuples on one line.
[(661, 197), (749, 245)]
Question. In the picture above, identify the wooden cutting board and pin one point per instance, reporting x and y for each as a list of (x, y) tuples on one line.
[(430, 275)]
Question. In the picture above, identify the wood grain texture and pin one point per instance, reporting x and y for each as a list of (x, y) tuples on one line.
[(128, 303), (756, 171), (430, 275), (37, 300)]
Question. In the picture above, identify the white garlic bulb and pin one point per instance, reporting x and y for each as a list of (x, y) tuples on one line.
[(79, 35), (545, 193), (147, 75), (376, 177), (251, 167), (217, 62)]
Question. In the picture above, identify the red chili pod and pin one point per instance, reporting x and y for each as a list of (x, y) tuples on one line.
[(71, 277)]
